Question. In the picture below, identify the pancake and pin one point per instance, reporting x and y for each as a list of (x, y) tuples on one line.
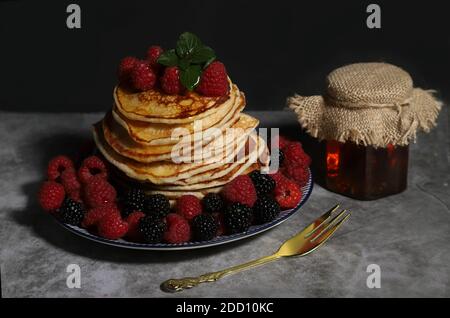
[(116, 136), (155, 106), (161, 134), (169, 172)]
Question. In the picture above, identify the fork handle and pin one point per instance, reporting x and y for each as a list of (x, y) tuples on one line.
[(175, 285)]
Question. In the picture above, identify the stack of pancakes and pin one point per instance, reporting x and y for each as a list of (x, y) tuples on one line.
[(179, 144)]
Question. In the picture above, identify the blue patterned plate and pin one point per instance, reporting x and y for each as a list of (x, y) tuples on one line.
[(255, 229)]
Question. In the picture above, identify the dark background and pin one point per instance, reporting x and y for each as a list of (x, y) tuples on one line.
[(270, 48)]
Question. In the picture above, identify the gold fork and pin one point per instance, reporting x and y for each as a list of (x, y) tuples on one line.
[(305, 242)]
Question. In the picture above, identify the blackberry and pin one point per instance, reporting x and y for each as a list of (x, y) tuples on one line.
[(262, 182), (265, 210), (238, 218), (157, 205), (212, 202), (133, 200), (152, 229), (72, 212), (204, 227)]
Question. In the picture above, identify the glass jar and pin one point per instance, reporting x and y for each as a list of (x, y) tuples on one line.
[(360, 172)]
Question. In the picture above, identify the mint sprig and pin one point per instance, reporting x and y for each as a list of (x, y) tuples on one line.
[(190, 56)]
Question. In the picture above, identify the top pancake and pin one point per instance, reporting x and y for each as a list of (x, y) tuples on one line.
[(157, 107)]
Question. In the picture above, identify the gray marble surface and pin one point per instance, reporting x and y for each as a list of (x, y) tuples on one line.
[(407, 235)]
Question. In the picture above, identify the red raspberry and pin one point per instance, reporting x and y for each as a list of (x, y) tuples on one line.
[(51, 196), (112, 227), (126, 66), (69, 180), (133, 225), (214, 80), (98, 192), (281, 141), (189, 206), (170, 81), (143, 77), (75, 195), (277, 177), (240, 190), (93, 216), (58, 165), (294, 155), (178, 229), (92, 166), (153, 54), (298, 173), (287, 193)]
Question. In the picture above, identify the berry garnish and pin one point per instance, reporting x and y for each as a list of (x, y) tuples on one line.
[(214, 80), (72, 212), (237, 218), (134, 200), (287, 193), (204, 227), (143, 77), (265, 210), (112, 227), (240, 190), (133, 225), (188, 206), (152, 229), (157, 205), (170, 81), (178, 229), (57, 166), (297, 173), (153, 53), (51, 196), (294, 155), (69, 180), (126, 66), (262, 182), (94, 215), (98, 192), (92, 166), (212, 202)]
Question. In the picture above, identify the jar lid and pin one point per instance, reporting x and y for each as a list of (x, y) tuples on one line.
[(368, 103)]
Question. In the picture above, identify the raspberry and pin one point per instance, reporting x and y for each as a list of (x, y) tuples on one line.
[(214, 80), (170, 81), (287, 193), (204, 227), (265, 210), (57, 166), (112, 227), (294, 155), (178, 229), (75, 195), (133, 225), (72, 212), (143, 77), (189, 206), (280, 142), (69, 180), (299, 174), (98, 192), (212, 202), (51, 196), (152, 229), (92, 166), (262, 182), (126, 66), (240, 190), (153, 54), (277, 177), (157, 205), (93, 216)]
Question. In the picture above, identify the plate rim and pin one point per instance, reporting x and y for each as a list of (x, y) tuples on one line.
[(195, 245)]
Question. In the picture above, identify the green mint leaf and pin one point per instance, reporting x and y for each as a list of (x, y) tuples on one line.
[(183, 64), (190, 76), (202, 55), (168, 58), (187, 43)]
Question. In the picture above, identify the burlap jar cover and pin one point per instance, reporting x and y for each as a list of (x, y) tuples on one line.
[(368, 103)]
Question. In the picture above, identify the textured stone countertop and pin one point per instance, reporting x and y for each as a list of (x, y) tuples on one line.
[(407, 235)]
